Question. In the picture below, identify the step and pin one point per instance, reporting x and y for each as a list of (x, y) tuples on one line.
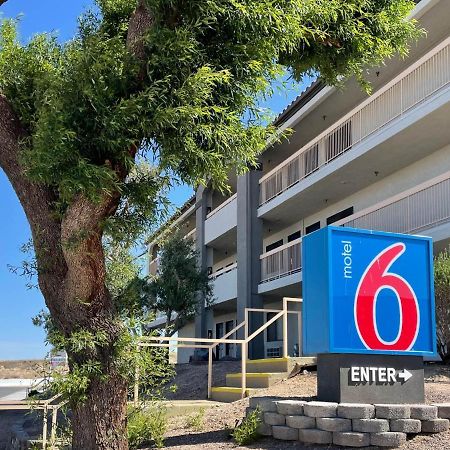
[(255, 380), (279, 365), (228, 394), (268, 365)]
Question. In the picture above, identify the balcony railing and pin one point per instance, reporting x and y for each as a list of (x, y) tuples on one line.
[(417, 83), (191, 235), (281, 261), (412, 211), (220, 272)]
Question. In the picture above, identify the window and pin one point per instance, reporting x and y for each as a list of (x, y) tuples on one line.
[(340, 215), (312, 227), (274, 245), (272, 329), (294, 236)]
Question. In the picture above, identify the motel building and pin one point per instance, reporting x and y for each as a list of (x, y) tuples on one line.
[(379, 162)]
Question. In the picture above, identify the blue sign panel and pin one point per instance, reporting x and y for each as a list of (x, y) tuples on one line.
[(367, 292)]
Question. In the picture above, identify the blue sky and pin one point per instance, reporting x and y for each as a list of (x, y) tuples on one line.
[(19, 339)]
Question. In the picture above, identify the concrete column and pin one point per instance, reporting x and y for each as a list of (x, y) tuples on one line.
[(201, 201), (249, 248)]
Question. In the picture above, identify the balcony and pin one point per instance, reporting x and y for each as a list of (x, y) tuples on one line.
[(225, 284), (425, 208), (221, 220), (359, 129)]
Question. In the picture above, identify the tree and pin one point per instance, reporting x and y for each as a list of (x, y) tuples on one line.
[(442, 298), (162, 82), (179, 283)]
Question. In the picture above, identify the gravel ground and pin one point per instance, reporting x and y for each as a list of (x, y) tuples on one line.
[(213, 435)]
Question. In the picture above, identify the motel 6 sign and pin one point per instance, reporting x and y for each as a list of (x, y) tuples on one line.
[(368, 292)]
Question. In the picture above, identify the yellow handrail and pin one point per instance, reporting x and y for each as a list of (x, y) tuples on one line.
[(211, 343)]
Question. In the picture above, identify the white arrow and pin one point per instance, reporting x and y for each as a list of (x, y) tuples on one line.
[(405, 375)]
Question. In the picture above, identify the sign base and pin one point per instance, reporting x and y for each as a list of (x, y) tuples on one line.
[(370, 378)]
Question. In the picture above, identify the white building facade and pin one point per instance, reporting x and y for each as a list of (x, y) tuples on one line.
[(377, 162)]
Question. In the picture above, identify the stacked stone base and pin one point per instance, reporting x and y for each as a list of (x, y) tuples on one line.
[(348, 424)]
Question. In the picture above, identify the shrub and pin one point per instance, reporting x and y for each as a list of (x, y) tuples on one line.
[(247, 431), (442, 295), (195, 421), (147, 425)]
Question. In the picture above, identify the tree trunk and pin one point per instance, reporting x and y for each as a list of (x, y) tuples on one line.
[(99, 423)]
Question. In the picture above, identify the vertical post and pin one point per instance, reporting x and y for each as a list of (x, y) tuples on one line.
[(53, 430), (44, 428), (246, 323), (285, 328), (299, 315), (209, 371), (243, 368), (136, 380)]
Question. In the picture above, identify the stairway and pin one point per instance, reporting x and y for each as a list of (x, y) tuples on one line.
[(261, 373)]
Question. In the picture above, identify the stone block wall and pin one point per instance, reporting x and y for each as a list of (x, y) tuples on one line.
[(348, 424)]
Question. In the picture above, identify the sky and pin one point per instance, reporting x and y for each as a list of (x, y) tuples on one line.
[(19, 338)]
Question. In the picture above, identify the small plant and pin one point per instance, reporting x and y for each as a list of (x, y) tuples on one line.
[(247, 431), (195, 421), (147, 425)]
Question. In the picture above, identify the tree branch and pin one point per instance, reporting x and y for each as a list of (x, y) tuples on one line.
[(37, 201), (140, 22), (2, 1)]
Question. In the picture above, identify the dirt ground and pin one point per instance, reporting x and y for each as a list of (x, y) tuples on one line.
[(23, 369), (213, 434)]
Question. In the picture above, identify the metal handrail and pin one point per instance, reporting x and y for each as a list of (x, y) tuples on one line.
[(151, 341), (45, 405)]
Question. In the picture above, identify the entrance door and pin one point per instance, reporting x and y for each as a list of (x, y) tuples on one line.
[(219, 334)]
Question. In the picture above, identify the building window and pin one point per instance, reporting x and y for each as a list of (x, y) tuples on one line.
[(340, 215), (274, 245), (294, 236), (272, 329), (313, 227)]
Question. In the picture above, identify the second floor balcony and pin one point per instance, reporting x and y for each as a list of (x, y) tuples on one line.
[(424, 209)]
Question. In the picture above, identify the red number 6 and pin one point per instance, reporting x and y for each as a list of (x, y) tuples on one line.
[(375, 278)]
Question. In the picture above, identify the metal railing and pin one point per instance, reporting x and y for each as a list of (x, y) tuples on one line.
[(411, 211), (223, 271), (46, 406), (210, 344), (413, 86), (281, 261)]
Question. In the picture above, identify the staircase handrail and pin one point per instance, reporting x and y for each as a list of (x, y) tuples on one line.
[(212, 343)]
